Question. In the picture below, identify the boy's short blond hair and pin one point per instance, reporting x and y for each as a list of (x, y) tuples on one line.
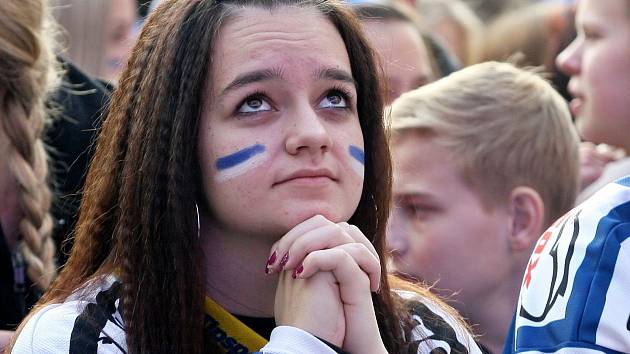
[(505, 127)]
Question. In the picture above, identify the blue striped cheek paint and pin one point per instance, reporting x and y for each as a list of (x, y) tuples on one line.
[(358, 160), (242, 161)]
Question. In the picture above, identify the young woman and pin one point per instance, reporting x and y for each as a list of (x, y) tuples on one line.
[(241, 182)]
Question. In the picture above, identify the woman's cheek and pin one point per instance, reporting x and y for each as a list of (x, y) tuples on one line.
[(357, 160), (237, 163)]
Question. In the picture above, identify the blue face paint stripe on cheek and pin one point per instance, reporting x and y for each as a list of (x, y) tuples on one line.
[(357, 153), (239, 157)]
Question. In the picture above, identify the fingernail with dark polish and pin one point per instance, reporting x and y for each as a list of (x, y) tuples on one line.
[(284, 260), (272, 259), (297, 271)]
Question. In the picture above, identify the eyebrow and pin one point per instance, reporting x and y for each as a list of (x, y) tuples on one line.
[(425, 196), (252, 77), (277, 74), (335, 74)]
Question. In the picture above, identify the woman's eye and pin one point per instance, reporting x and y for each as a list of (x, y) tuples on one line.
[(254, 104), (334, 99)]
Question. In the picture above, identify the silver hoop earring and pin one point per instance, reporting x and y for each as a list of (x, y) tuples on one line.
[(198, 221)]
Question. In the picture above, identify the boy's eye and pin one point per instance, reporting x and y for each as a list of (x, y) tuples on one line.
[(334, 99), (417, 211), (590, 35), (254, 104)]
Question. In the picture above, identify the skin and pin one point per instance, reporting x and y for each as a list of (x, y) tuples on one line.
[(5, 338), (596, 61), (119, 36), (441, 233), (305, 114), (404, 56), (453, 37)]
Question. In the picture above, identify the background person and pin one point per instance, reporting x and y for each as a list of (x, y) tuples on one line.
[(97, 35), (27, 73), (473, 189), (404, 56), (574, 294)]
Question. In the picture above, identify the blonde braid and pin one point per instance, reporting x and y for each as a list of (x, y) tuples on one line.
[(27, 73)]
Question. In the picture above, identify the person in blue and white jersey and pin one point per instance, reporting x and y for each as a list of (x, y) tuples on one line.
[(575, 295)]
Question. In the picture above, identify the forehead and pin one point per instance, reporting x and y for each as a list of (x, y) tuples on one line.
[(603, 11), (392, 33), (400, 46), (418, 153), (286, 38)]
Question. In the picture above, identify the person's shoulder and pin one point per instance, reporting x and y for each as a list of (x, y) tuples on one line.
[(89, 321), (574, 293), (433, 327), (612, 172), (48, 330)]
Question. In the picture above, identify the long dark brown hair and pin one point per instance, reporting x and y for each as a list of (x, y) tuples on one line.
[(138, 215)]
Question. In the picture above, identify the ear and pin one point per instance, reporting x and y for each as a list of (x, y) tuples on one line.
[(527, 212)]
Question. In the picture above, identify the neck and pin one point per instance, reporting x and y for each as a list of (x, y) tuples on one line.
[(234, 272), (492, 326)]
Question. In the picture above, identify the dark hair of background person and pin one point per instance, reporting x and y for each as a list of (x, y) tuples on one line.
[(143, 7), (138, 213), (79, 105)]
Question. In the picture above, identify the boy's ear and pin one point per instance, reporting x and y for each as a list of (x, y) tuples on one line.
[(528, 213)]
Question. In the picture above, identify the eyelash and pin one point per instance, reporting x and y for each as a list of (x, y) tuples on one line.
[(417, 210), (336, 89), (253, 96), (344, 93)]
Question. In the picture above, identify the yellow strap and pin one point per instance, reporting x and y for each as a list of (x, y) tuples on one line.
[(233, 335)]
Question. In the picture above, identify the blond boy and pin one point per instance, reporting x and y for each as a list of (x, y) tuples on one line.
[(485, 159)]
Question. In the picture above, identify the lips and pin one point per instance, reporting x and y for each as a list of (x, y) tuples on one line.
[(578, 98), (576, 106), (308, 176)]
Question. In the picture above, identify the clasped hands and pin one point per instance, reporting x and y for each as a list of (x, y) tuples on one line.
[(327, 272)]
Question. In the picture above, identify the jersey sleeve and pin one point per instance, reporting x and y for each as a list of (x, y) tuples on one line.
[(77, 326), (292, 340), (434, 330)]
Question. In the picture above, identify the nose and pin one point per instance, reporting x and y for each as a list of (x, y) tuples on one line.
[(397, 243), (569, 61), (307, 132)]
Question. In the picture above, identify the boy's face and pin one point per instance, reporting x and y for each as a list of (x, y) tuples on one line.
[(439, 231), (598, 61)]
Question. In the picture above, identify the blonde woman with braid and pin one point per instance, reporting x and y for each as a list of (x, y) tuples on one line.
[(27, 264)]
